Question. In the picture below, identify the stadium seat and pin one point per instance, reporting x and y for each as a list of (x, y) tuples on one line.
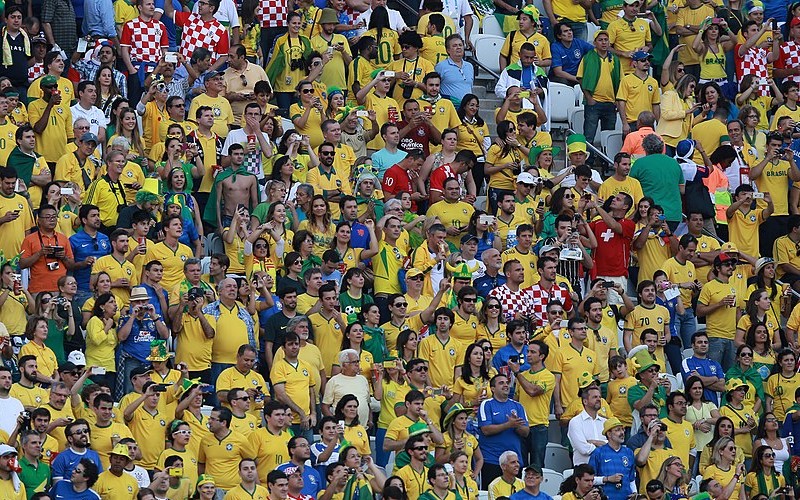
[(480, 202), (557, 457), (610, 142), (576, 120), (490, 26), (487, 50), (562, 102), (566, 473), (483, 495), (578, 96), (674, 382), (389, 464), (551, 481), (554, 430), (687, 353)]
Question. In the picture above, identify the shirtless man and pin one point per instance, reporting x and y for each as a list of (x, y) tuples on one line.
[(237, 189)]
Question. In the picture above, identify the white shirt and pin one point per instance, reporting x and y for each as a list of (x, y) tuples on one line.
[(456, 9), (569, 181), (12, 407), (396, 21), (226, 14), (95, 117), (582, 428)]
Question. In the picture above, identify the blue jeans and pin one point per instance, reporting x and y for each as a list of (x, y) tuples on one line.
[(308, 433), (216, 369), (537, 445), (381, 457), (687, 325), (125, 366), (579, 30), (721, 351), (604, 112)]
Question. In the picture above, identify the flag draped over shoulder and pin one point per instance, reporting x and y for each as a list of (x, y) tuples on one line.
[(210, 212), (357, 488)]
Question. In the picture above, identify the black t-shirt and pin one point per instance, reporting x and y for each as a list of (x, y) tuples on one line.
[(18, 71)]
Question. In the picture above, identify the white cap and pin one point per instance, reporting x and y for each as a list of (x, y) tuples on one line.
[(7, 450), (526, 178), (77, 358)]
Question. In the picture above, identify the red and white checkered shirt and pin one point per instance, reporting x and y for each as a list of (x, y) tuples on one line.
[(35, 71), (539, 297), (512, 302), (754, 62), (789, 58), (144, 39), (210, 35), (272, 13)]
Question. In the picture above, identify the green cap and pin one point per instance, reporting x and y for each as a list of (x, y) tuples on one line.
[(48, 81)]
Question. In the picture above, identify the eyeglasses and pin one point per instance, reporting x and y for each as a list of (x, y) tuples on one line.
[(569, 195), (307, 91), (493, 306), (80, 431), (401, 304), (487, 349), (244, 80), (298, 261), (316, 63), (416, 278)]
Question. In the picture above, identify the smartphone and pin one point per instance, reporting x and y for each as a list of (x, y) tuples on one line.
[(82, 45), (98, 370), (207, 389), (608, 284), (486, 219), (171, 57), (176, 471), (388, 74), (362, 113), (67, 191), (774, 25), (758, 196), (161, 387), (330, 50), (524, 94), (662, 218), (514, 359), (541, 202), (341, 423)]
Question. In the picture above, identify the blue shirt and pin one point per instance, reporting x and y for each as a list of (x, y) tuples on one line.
[(486, 283), (67, 460), (83, 247), (190, 234), (705, 367), (383, 160), (672, 307), (492, 412), (142, 333), (569, 58), (500, 358), (169, 24), (98, 18), (151, 292), (456, 81), (312, 483), (524, 495), (64, 489), (607, 462), (359, 235)]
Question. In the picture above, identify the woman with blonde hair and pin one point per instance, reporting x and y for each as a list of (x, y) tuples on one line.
[(723, 467), (674, 477), (677, 110)]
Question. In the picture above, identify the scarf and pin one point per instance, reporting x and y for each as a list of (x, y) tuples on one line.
[(7, 60), (210, 213), (762, 482), (591, 71)]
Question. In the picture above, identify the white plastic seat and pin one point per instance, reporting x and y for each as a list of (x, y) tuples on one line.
[(554, 430), (566, 474), (562, 102), (483, 495), (490, 26), (611, 142), (687, 353), (674, 382), (591, 29), (576, 120), (557, 457), (551, 481), (487, 50), (578, 95)]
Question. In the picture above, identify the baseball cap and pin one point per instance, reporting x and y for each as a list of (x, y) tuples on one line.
[(48, 81), (212, 74), (723, 257), (7, 450), (465, 239), (141, 370), (67, 366), (641, 55), (77, 358), (90, 137), (413, 272), (525, 178)]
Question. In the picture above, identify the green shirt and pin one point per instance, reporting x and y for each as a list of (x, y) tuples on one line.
[(23, 164), (352, 307), (35, 478), (660, 177), (638, 391)]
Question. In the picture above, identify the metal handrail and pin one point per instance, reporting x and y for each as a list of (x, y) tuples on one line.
[(409, 8), (471, 58)]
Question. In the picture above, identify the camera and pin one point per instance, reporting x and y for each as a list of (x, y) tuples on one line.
[(161, 387), (608, 284), (662, 427), (781, 151), (600, 493), (52, 266), (26, 420), (408, 90), (161, 87), (296, 64), (194, 293)]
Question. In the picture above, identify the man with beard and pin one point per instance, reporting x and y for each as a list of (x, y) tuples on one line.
[(614, 461), (333, 184), (717, 302), (300, 452), (67, 460), (27, 389), (12, 406), (121, 272), (679, 430)]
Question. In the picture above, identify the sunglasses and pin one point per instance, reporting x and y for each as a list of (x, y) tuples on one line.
[(416, 278), (421, 369), (569, 196), (493, 306), (401, 304), (261, 245), (746, 355), (307, 91), (469, 299), (420, 448)]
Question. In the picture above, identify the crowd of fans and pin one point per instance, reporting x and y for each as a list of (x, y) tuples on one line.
[(264, 250)]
